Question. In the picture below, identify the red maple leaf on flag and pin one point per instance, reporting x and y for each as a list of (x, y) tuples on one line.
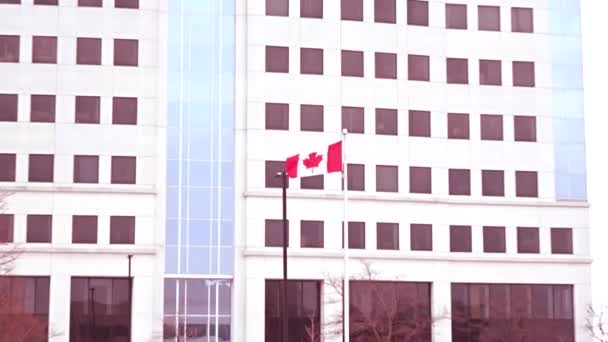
[(313, 160)]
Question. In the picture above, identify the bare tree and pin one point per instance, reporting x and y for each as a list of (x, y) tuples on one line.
[(597, 324)]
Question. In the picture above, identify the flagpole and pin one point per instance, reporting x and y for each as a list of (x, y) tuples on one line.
[(284, 180), (346, 290)]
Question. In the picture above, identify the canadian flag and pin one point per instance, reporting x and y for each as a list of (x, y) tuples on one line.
[(315, 163)]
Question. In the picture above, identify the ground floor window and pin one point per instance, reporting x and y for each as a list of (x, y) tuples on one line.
[(24, 308)]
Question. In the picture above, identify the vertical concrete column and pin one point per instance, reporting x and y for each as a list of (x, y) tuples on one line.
[(440, 310)]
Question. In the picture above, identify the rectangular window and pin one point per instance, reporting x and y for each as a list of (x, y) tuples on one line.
[(387, 178), (523, 74), (386, 65), (84, 229), (356, 235), (457, 70), (421, 237), (385, 11), (124, 111), (419, 123), (458, 126), (528, 240), (277, 116), (492, 182), (386, 121), (42, 108), (420, 180), (456, 16), (8, 107), (86, 169), (10, 1), (311, 8), (90, 3), (134, 4), (124, 170), (279, 8), (311, 234), (311, 61), (351, 10), (352, 63), (41, 168), (352, 119), (303, 310), (494, 240), (122, 229), (272, 170), (417, 12), (27, 308), (88, 51), (522, 20), (524, 128), (7, 222), (311, 118), (561, 240), (7, 167), (356, 177), (87, 109), (312, 182), (526, 183), (273, 232), (9, 49), (277, 59), (387, 236), (126, 52), (45, 2), (488, 18), (460, 238), (39, 228), (490, 72), (460, 182), (44, 49), (418, 68), (491, 127)]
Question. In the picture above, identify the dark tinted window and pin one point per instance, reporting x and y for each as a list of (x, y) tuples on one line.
[(311, 234), (494, 240), (122, 229), (8, 107), (456, 16), (421, 237), (387, 236), (312, 182), (311, 118), (352, 119), (9, 49), (84, 229), (457, 70), (88, 51), (7, 222), (460, 238), (526, 183), (277, 8), (490, 72), (523, 74), (311, 61), (10, 1), (272, 168), (7, 167), (419, 123), (86, 169), (561, 240), (126, 52), (44, 49), (351, 10), (460, 182), (124, 170), (527, 240), (356, 235), (458, 126), (352, 63), (39, 228), (420, 180), (41, 168), (385, 11), (524, 128), (25, 309), (522, 20), (491, 127), (418, 68), (489, 18), (126, 3), (273, 232), (303, 310), (87, 109), (124, 111), (311, 8), (90, 3), (386, 65), (277, 59), (42, 108), (387, 178), (277, 116), (417, 12), (492, 183), (45, 2), (356, 177), (386, 121)]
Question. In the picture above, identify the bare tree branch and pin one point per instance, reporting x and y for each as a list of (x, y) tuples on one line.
[(596, 324)]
